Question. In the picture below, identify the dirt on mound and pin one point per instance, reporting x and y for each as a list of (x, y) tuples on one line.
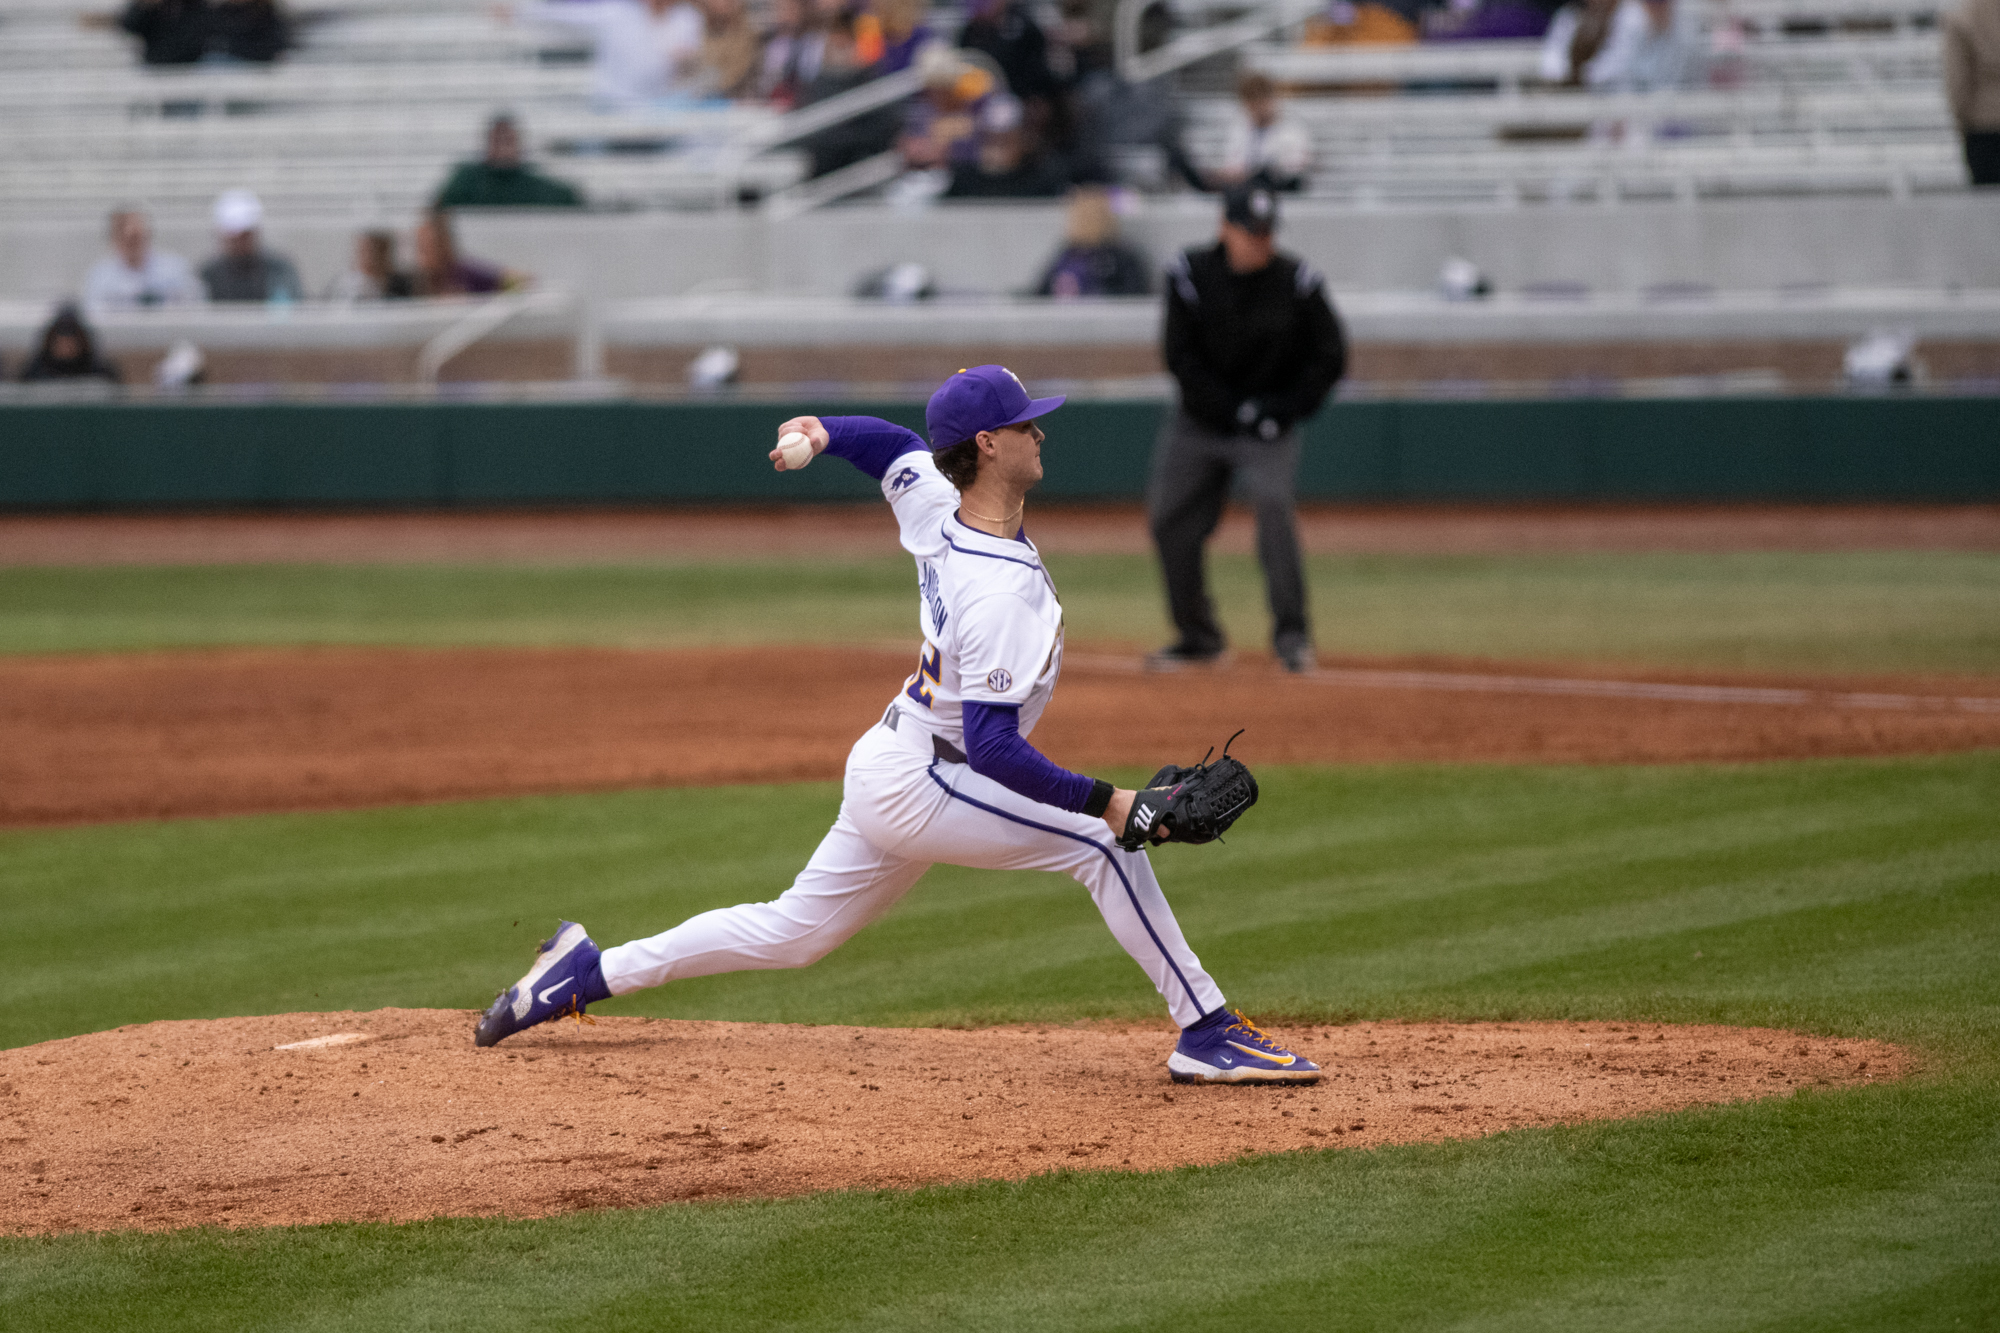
[(394, 1115), (86, 738)]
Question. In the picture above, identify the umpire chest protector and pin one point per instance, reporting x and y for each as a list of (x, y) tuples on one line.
[(1268, 335)]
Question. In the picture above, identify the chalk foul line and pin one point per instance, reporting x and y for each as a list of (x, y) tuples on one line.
[(1470, 682)]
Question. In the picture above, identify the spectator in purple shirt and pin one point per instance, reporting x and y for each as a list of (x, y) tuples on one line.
[(441, 271), (1093, 262)]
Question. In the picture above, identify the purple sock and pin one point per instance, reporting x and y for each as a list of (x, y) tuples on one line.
[(1221, 1018), (590, 987)]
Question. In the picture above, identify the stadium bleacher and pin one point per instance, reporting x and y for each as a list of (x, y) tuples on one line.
[(1826, 105), (376, 102)]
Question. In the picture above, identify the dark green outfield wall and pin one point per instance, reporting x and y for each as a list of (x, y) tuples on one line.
[(137, 456)]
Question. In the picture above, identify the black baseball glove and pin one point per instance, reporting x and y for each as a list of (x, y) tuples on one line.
[(1195, 804)]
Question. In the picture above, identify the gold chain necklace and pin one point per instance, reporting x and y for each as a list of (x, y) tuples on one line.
[(984, 519)]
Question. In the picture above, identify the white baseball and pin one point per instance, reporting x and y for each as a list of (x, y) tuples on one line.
[(796, 449)]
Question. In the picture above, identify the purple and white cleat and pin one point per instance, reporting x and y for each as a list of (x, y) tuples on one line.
[(566, 977), (1228, 1048)]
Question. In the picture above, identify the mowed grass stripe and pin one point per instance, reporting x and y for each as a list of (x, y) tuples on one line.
[(1819, 612), (1466, 873)]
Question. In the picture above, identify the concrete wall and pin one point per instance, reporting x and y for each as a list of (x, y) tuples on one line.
[(1755, 244)]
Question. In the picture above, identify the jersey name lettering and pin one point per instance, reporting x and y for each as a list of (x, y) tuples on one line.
[(927, 581)]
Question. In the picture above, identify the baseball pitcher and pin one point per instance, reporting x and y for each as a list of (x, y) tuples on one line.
[(948, 774)]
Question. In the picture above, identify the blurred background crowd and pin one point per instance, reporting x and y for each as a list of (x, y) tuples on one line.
[(253, 116)]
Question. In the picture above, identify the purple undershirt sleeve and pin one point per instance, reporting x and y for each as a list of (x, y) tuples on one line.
[(995, 748), (870, 443)]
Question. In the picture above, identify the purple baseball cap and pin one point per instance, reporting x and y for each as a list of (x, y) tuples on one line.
[(982, 398)]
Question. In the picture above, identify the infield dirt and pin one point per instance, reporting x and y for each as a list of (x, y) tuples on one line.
[(820, 531), (176, 1124), (141, 735)]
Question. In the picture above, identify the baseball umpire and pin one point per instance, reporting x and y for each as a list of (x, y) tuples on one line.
[(1256, 347)]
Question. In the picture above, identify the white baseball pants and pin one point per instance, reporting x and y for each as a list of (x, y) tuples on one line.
[(902, 812)]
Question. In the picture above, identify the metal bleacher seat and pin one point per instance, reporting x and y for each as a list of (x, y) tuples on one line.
[(365, 116), (1832, 15), (380, 98), (1841, 58), (1808, 96)]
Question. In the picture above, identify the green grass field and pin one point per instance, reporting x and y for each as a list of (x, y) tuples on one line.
[(1857, 898), (1859, 612)]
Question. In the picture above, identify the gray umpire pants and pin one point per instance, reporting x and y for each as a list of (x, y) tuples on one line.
[(1193, 468)]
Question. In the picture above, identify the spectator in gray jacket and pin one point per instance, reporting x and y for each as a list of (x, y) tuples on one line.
[(1972, 84), (245, 270), (136, 274)]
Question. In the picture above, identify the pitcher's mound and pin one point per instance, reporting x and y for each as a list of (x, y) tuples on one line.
[(394, 1115)]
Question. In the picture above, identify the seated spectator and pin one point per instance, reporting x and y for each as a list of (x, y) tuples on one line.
[(1081, 41), (1486, 20), (1623, 45), (1010, 37), (1116, 117), (500, 179), (374, 276), (888, 36), (136, 274), (1006, 34), (183, 32), (441, 271), (728, 50), (792, 54), (1263, 142), (170, 32), (245, 271), (641, 50), (940, 128), (852, 140), (1092, 262), (251, 30), (1364, 24), (1972, 84), (1575, 37), (68, 352), (1004, 165)]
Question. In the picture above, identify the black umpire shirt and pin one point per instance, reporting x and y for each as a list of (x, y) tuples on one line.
[(1268, 338)]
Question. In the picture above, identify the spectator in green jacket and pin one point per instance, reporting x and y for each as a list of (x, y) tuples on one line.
[(502, 179)]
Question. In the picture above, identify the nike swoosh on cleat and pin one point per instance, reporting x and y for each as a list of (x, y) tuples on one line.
[(544, 997), (1265, 1055)]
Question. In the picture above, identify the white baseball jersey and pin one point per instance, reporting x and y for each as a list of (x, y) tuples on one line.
[(992, 625)]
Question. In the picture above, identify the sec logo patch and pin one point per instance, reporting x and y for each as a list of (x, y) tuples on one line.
[(999, 681)]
